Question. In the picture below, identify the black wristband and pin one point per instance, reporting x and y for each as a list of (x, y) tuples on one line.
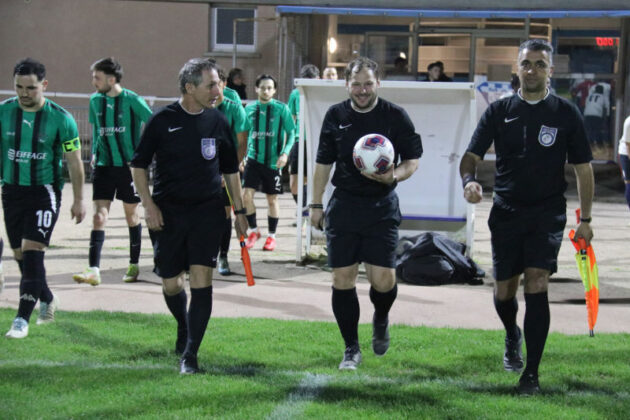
[(241, 211), (315, 206), (586, 219), (468, 178)]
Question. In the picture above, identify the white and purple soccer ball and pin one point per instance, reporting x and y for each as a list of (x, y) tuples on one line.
[(373, 154)]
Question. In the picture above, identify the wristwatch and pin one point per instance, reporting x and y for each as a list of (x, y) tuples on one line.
[(241, 211), (586, 219)]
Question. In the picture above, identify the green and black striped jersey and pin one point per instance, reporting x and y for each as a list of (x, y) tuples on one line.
[(33, 143), (116, 123), (233, 95), (294, 107), (235, 114), (271, 132)]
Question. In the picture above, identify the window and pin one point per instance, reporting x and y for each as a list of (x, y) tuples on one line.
[(223, 29)]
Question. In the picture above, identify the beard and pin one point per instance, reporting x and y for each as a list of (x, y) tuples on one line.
[(369, 104)]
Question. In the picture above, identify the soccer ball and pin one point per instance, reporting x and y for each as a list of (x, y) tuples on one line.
[(373, 154)]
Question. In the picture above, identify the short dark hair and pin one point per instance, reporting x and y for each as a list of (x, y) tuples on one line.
[(264, 76), (537, 45), (30, 66), (235, 72), (309, 71), (436, 64), (359, 64), (110, 67), (218, 68), (192, 70)]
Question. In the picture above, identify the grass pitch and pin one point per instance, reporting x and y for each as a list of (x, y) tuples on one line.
[(115, 365)]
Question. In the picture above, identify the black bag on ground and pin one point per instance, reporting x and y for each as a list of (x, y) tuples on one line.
[(431, 259)]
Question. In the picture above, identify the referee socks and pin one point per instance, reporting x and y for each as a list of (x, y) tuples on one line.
[(97, 237), (345, 306), (198, 317), (383, 302), (536, 328), (32, 281), (507, 309)]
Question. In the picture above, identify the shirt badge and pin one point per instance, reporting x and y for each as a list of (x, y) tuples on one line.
[(208, 148), (547, 135)]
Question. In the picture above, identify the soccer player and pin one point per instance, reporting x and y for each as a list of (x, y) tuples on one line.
[(231, 107), (308, 71), (192, 145), (35, 133), (363, 214), (270, 140), (116, 115), (534, 133)]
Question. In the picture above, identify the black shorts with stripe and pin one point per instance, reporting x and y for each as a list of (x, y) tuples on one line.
[(111, 182), (256, 175)]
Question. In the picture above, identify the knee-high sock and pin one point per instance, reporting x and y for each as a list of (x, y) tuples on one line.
[(20, 264), (225, 239), (273, 224), (1, 247), (135, 243), (537, 319), (198, 317), (177, 305), (628, 194), (32, 281), (345, 306), (507, 309), (383, 302), (97, 237), (251, 221)]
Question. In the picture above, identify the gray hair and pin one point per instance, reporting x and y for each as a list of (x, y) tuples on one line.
[(537, 45), (192, 70)]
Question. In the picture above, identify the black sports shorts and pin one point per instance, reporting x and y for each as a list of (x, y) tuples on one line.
[(257, 174), (293, 159), (114, 181), (30, 212), (191, 236), (362, 229), (526, 237)]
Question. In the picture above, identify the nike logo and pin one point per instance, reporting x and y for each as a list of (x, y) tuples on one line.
[(29, 123), (341, 127), (507, 121), (171, 129)]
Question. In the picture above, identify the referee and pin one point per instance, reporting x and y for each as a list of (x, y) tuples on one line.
[(192, 145), (35, 133), (363, 214), (534, 133)]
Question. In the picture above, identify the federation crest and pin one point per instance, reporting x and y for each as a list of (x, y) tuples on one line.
[(547, 135), (208, 148)]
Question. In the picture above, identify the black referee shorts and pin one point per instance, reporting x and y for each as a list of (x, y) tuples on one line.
[(191, 236), (362, 229), (294, 160), (526, 237), (30, 212), (114, 181), (256, 175)]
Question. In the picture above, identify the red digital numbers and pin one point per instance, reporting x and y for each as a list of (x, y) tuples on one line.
[(607, 41)]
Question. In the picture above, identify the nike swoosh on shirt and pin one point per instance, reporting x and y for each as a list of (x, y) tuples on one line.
[(171, 129), (506, 120), (341, 127)]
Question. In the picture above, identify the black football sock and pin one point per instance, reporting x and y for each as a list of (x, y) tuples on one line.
[(135, 242), (294, 198), (225, 239), (198, 317), (383, 302), (31, 283), (507, 309), (628, 194), (345, 306), (537, 320), (304, 201), (251, 221), (273, 224), (1, 247), (97, 237), (20, 264), (45, 295), (177, 305)]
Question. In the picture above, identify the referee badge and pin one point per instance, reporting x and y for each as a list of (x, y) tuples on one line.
[(547, 135), (208, 148)]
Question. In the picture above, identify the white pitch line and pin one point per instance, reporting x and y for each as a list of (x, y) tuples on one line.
[(308, 390)]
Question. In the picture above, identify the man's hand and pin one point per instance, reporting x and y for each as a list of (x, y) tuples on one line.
[(153, 216), (317, 218), (282, 161), (384, 178), (240, 225), (77, 211), (585, 232), (93, 162), (473, 193)]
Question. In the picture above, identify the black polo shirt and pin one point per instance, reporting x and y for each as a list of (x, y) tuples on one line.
[(191, 152), (532, 144), (341, 129)]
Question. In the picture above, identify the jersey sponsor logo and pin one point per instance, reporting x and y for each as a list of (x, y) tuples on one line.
[(261, 134), (208, 148), (171, 129), (547, 135), (108, 131), (509, 120), (21, 156), (343, 127)]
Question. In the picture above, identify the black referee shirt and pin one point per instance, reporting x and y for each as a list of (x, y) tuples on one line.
[(191, 152), (341, 129), (532, 144)]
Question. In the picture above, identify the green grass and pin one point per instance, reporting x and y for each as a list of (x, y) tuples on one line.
[(115, 365)]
